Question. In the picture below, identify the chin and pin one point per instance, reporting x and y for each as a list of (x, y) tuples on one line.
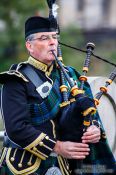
[(50, 60), (51, 57)]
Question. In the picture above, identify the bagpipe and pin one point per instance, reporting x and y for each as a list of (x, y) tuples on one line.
[(78, 110)]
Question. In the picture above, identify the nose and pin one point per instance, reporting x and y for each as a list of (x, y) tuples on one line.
[(52, 41)]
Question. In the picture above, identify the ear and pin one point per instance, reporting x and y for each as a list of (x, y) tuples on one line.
[(29, 46)]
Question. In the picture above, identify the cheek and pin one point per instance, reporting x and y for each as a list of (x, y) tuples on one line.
[(37, 49), (42, 51), (41, 48)]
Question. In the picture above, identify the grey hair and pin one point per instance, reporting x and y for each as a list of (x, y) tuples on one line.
[(30, 37)]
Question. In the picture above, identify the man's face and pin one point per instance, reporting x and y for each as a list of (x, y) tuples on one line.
[(41, 45)]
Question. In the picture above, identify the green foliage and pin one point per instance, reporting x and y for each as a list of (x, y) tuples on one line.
[(73, 37), (113, 56), (13, 15)]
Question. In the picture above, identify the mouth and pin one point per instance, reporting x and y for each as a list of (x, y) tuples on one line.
[(52, 50)]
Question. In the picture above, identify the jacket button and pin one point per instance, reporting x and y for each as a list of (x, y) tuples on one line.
[(47, 137), (34, 149), (41, 143), (20, 165)]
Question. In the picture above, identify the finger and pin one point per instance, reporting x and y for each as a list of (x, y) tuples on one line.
[(92, 136), (91, 141), (95, 136), (92, 127), (80, 145), (95, 140), (78, 155), (97, 131), (79, 149)]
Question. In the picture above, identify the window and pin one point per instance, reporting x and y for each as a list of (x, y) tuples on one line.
[(80, 4)]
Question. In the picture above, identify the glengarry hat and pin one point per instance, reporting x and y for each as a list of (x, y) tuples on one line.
[(37, 24)]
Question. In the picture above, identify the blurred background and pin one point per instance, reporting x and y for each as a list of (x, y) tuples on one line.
[(81, 21)]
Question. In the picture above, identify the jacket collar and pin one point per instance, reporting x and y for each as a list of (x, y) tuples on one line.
[(41, 66)]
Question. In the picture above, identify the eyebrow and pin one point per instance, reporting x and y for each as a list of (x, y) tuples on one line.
[(48, 34)]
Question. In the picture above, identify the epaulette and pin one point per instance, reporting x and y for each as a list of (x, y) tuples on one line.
[(13, 72)]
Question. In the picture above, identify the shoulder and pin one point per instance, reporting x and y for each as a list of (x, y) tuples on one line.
[(14, 73)]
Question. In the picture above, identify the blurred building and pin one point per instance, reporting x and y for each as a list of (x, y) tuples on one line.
[(97, 19), (88, 14)]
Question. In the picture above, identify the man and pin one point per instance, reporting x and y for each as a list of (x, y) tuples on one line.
[(30, 104)]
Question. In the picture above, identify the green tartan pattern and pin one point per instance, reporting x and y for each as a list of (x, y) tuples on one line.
[(48, 108), (5, 171), (100, 159)]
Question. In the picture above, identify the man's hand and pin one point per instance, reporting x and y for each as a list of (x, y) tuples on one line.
[(92, 135), (72, 150)]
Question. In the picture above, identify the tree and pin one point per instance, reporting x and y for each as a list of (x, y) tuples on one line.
[(13, 15)]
